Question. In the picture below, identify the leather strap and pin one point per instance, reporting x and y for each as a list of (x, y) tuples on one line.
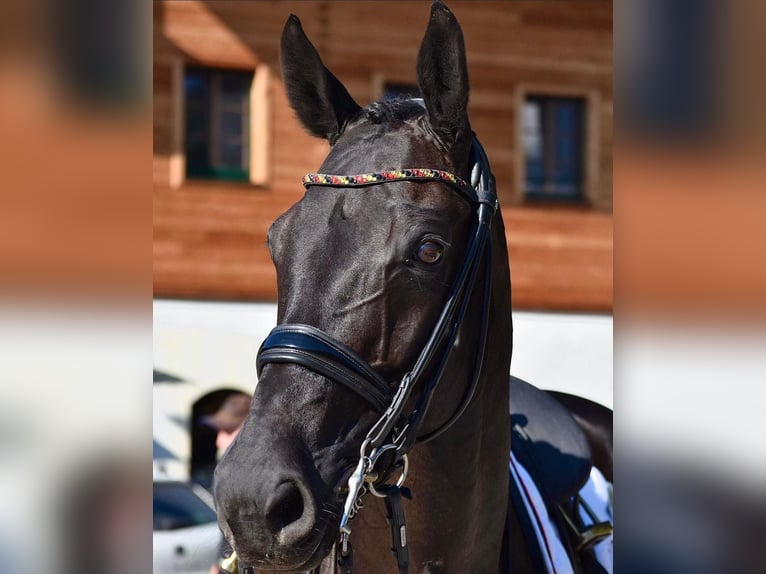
[(345, 564), (311, 348), (440, 344), (479, 357), (395, 515)]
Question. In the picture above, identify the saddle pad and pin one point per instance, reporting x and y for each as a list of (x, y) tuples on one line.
[(554, 554), (597, 493), (555, 559)]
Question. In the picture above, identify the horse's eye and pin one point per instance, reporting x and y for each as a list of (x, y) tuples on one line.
[(430, 252)]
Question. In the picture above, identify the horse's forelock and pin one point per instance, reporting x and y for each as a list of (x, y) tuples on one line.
[(393, 111)]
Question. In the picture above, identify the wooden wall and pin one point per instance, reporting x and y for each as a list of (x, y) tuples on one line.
[(210, 236)]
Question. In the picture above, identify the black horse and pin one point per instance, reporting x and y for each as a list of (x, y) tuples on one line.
[(370, 264)]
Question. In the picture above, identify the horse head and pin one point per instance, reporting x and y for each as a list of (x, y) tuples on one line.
[(371, 267)]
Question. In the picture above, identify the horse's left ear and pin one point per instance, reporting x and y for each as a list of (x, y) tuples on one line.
[(320, 101), (443, 76)]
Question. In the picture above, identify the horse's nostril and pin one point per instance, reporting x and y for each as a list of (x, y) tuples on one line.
[(285, 507)]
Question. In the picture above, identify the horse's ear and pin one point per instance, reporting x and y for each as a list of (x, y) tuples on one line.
[(321, 102), (443, 75)]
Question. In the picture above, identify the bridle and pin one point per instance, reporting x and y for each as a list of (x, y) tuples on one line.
[(395, 433)]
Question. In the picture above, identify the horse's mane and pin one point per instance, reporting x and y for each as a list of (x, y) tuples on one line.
[(393, 111)]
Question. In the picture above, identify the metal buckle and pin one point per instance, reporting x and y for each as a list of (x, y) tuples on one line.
[(353, 499), (593, 535), (229, 564), (344, 548), (360, 482), (589, 535)]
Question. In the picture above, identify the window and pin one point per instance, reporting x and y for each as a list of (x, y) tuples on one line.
[(394, 91), (217, 136), (553, 147)]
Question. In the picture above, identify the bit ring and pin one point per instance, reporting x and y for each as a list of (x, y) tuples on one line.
[(399, 483)]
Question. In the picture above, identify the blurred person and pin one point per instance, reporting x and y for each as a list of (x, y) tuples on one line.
[(232, 412), (212, 433), (224, 439)]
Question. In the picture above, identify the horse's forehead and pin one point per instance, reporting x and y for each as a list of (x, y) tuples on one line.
[(325, 209), (402, 202), (370, 147)]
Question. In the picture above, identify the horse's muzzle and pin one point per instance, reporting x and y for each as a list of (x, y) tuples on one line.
[(273, 511)]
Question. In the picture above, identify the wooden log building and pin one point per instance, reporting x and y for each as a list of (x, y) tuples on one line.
[(229, 154)]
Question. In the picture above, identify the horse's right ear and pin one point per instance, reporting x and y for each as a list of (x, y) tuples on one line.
[(322, 104), (443, 76)]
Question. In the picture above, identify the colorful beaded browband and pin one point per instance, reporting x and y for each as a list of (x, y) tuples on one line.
[(411, 174)]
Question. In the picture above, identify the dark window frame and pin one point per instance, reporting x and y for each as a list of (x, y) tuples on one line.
[(205, 132), (558, 172)]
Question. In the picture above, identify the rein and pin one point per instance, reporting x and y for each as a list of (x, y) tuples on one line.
[(396, 432)]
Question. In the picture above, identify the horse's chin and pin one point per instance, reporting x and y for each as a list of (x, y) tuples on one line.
[(290, 560)]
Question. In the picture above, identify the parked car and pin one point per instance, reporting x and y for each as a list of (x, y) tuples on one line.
[(186, 535)]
